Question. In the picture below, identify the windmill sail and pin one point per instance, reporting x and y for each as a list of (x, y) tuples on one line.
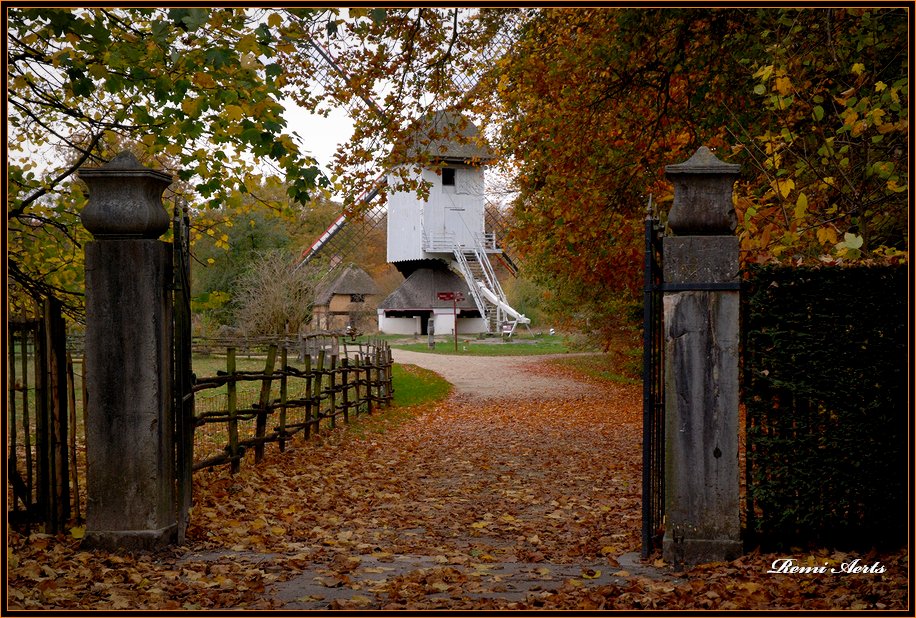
[(326, 71)]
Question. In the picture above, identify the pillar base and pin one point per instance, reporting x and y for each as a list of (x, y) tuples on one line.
[(700, 551), (131, 540)]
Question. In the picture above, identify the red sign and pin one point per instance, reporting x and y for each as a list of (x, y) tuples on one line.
[(446, 295)]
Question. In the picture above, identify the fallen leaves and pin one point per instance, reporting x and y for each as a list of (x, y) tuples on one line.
[(468, 505)]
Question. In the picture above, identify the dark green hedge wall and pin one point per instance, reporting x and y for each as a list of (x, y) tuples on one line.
[(825, 388)]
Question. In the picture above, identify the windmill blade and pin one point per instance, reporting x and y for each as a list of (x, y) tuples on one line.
[(370, 219), (326, 68)]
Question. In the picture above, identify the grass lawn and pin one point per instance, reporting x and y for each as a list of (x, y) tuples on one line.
[(413, 386), (519, 345), (622, 363)]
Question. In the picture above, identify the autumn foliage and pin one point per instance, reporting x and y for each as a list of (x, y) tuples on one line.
[(588, 105)]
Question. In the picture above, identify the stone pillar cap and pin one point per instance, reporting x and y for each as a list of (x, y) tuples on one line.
[(124, 164), (703, 161), (125, 199)]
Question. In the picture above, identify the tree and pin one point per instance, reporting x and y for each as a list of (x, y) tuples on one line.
[(395, 67), (272, 298), (234, 238), (198, 85), (589, 105), (830, 142)]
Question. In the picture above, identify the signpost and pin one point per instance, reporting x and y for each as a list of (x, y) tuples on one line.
[(455, 297)]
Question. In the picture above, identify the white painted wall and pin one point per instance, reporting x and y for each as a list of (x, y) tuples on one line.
[(443, 324), (453, 214), (398, 326)]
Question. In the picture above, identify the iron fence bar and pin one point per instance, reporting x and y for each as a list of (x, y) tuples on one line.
[(647, 390), (653, 388)]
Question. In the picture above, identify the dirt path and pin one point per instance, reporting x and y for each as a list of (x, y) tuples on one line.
[(527, 479), (507, 377), (487, 501), (475, 503)]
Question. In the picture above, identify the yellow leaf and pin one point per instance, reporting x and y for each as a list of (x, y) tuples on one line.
[(480, 524), (858, 68), (783, 85), (234, 113), (801, 206), (203, 80), (78, 532), (274, 20), (190, 107), (591, 573), (784, 186), (764, 73), (826, 235)]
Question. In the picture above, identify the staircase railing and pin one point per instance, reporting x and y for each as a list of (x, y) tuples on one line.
[(490, 276), (469, 278)]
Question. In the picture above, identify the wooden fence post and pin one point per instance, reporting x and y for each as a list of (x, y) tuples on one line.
[(260, 422), (319, 390), (378, 376), (282, 428), (389, 379), (345, 388), (74, 471), (332, 392), (231, 397), (308, 394)]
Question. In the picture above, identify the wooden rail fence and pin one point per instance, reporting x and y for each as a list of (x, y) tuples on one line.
[(294, 396)]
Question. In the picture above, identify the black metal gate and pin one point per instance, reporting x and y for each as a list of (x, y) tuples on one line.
[(653, 442), (182, 377), (39, 462)]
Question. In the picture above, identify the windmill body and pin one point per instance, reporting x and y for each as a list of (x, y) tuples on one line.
[(440, 241)]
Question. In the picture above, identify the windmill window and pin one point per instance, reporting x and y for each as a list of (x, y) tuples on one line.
[(448, 176), (357, 298)]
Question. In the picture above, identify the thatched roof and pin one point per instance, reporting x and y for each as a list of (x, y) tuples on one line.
[(419, 291), (352, 280), (462, 144)]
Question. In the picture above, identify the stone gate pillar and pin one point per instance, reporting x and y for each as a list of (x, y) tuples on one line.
[(701, 364), (129, 433)]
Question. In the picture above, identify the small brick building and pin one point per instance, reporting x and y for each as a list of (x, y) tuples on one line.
[(350, 298)]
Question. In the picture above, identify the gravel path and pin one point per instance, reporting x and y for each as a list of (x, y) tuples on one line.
[(492, 377)]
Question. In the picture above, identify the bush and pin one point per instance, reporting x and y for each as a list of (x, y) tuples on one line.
[(825, 355)]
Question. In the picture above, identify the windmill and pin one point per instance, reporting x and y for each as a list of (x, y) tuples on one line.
[(439, 235)]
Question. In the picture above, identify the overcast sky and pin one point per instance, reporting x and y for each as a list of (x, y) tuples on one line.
[(320, 136)]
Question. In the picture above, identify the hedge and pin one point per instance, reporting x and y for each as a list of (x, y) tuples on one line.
[(825, 390)]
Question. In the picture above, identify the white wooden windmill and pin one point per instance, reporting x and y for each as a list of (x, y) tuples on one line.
[(444, 235), (446, 232)]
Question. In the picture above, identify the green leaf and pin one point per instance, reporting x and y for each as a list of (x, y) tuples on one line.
[(818, 113), (853, 241)]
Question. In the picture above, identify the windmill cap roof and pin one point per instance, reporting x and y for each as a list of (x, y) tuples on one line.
[(450, 136)]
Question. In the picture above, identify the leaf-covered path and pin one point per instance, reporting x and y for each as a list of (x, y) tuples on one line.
[(469, 503), (473, 503)]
